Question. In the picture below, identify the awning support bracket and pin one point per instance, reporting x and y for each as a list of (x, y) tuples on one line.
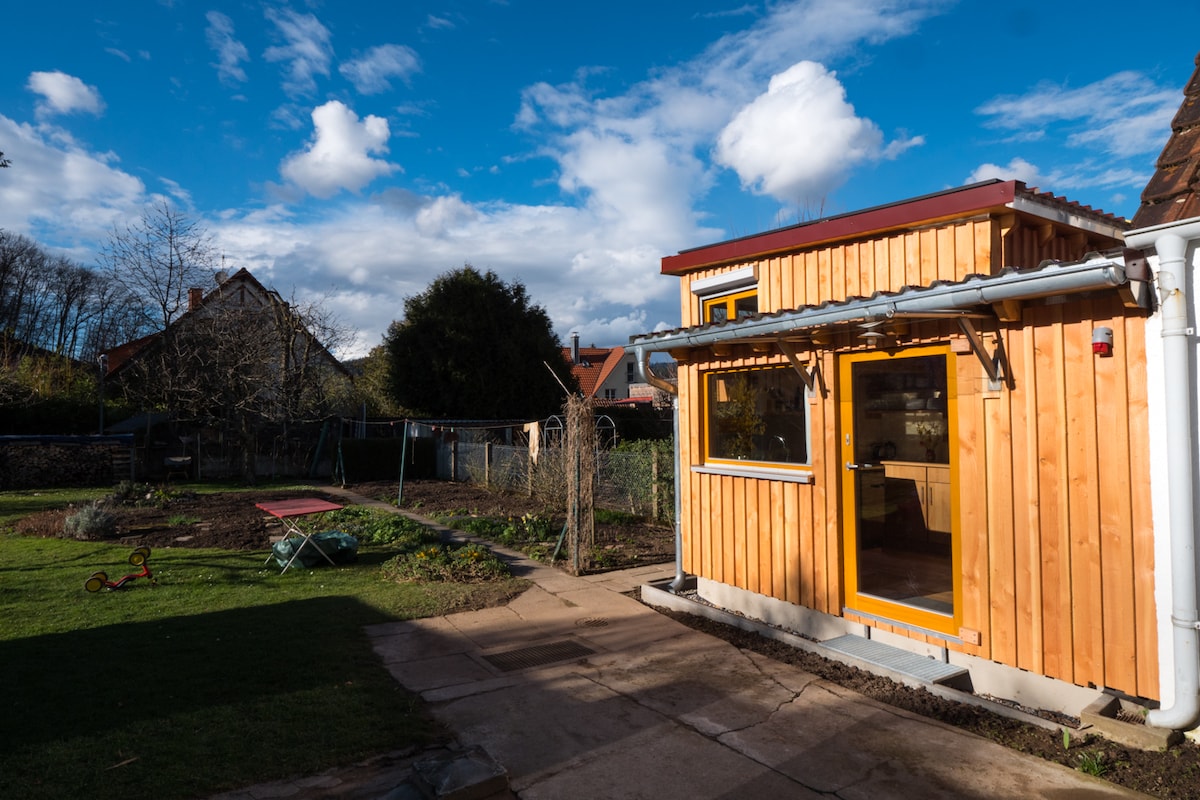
[(996, 364), (813, 378)]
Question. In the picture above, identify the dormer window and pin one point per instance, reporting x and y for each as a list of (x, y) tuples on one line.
[(729, 296)]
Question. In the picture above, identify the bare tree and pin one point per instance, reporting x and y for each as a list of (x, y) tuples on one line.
[(158, 259)]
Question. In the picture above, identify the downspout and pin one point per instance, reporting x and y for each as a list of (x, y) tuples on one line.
[(643, 364), (1171, 243)]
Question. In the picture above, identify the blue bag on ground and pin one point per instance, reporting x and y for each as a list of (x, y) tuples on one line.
[(341, 547)]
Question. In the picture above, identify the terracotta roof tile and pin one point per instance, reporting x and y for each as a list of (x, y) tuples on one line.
[(595, 365), (1180, 147), (1171, 193)]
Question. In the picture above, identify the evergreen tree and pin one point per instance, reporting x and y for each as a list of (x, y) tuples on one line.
[(474, 347)]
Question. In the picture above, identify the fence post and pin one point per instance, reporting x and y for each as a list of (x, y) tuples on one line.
[(487, 464)]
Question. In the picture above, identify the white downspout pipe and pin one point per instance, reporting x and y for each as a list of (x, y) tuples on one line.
[(643, 365), (1171, 243)]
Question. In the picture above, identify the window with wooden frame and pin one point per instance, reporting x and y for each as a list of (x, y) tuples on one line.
[(731, 306), (756, 417), (727, 296)]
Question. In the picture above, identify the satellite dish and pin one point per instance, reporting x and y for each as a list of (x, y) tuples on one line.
[(221, 276)]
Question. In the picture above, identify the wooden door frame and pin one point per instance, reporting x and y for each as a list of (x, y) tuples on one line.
[(941, 625)]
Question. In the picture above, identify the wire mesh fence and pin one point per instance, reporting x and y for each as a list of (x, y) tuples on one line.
[(640, 482)]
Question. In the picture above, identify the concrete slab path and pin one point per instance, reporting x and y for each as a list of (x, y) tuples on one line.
[(578, 690), (639, 706)]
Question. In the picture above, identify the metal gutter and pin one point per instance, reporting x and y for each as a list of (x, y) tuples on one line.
[(1098, 272)]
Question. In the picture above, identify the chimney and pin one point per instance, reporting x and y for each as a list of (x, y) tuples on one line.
[(574, 348), (194, 297)]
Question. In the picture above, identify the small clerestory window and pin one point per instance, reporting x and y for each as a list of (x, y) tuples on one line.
[(727, 296)]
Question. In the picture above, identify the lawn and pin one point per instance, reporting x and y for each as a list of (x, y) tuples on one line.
[(224, 674)]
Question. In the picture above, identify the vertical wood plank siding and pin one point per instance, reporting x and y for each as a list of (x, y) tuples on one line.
[(1053, 513)]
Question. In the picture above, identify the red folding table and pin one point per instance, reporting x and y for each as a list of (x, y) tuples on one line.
[(289, 512)]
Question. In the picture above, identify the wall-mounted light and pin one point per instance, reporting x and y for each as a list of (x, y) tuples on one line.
[(1102, 342)]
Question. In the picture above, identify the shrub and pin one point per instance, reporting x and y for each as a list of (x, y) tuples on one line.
[(375, 526), (469, 563), (90, 522)]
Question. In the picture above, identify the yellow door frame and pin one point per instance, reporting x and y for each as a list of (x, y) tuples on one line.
[(869, 605)]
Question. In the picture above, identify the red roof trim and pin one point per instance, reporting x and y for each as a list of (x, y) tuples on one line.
[(975, 198)]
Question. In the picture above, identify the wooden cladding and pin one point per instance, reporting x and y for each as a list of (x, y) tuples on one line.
[(1053, 507), (949, 252)]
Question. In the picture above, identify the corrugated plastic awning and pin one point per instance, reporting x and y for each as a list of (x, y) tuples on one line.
[(938, 300)]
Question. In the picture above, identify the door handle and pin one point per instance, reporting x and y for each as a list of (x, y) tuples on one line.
[(852, 466)]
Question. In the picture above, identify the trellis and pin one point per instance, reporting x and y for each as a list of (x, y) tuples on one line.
[(581, 480)]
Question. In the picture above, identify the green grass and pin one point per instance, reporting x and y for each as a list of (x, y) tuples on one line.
[(15, 505), (225, 674)]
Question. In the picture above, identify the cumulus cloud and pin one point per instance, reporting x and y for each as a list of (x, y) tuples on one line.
[(64, 94), (800, 139), (372, 72), (1017, 170), (339, 154), (230, 52), (306, 49), (643, 155)]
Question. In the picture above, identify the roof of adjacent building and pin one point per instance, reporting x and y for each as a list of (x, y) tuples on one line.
[(120, 356), (977, 198), (1173, 193), (594, 366)]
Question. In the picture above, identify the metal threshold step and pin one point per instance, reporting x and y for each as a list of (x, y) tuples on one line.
[(893, 659)]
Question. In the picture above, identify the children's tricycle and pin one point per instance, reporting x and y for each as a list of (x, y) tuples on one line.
[(139, 558)]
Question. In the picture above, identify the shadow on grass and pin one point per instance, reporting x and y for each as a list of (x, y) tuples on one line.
[(185, 696)]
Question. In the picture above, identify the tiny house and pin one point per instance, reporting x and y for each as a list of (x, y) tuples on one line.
[(963, 426), (926, 424)]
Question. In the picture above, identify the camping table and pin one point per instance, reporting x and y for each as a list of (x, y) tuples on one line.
[(289, 513)]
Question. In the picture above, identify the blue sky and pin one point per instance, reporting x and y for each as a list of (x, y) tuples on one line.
[(351, 152)]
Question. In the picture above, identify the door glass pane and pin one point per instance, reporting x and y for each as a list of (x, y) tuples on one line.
[(902, 481)]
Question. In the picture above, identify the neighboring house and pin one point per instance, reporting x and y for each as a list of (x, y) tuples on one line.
[(239, 362), (606, 374), (238, 291), (961, 426)]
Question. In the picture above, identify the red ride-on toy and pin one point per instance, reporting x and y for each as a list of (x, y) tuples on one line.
[(139, 558)]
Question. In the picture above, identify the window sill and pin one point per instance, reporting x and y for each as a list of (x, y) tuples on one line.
[(762, 473)]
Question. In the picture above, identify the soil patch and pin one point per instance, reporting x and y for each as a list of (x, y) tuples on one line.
[(230, 520)]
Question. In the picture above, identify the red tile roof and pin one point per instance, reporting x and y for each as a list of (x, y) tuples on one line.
[(1173, 193), (594, 367)]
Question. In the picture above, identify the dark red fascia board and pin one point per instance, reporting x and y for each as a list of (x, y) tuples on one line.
[(928, 208)]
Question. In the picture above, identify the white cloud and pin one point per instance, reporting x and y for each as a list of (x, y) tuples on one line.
[(642, 156), (55, 184), (230, 52), (339, 154), (800, 139), (1017, 170), (1124, 114), (306, 49), (371, 73), (64, 94)]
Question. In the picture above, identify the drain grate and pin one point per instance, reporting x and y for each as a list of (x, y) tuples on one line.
[(592, 622), (537, 656)]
